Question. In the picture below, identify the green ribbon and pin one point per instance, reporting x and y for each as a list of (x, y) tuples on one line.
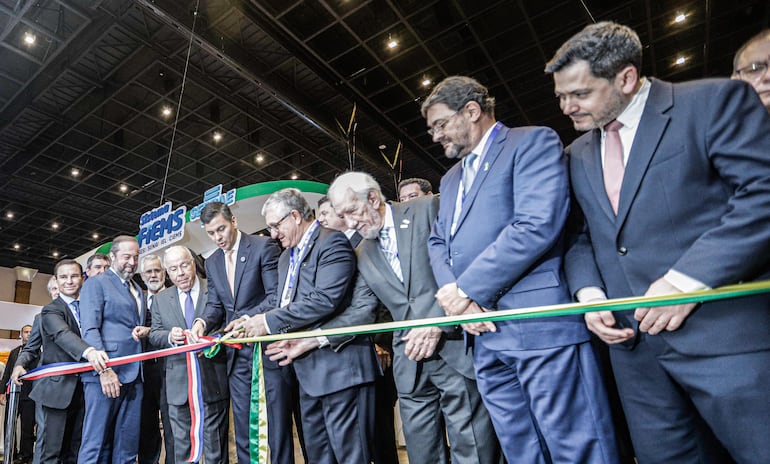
[(258, 448)]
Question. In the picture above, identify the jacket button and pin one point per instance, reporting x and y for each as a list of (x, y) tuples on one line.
[(622, 251)]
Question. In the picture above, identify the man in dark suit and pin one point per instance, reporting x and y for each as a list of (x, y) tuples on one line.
[(496, 244), (26, 406), (111, 307), (241, 279), (673, 194), (171, 315), (433, 373), (751, 62), (316, 283), (29, 357), (61, 397)]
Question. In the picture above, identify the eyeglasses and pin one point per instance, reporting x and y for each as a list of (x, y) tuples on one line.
[(183, 266), (752, 71), (441, 124), (274, 227)]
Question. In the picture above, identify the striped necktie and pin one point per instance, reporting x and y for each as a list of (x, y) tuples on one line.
[(388, 246)]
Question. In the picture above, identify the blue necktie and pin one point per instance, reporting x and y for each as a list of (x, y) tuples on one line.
[(76, 305), (189, 309)]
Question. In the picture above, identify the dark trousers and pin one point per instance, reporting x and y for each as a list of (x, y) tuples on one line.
[(385, 395), (64, 428)]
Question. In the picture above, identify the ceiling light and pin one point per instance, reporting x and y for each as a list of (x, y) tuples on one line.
[(426, 82), (16, 246), (165, 111), (680, 60), (680, 17), (29, 38), (392, 43), (123, 188), (382, 146), (75, 172), (294, 176), (94, 236), (55, 226), (9, 214), (55, 254), (217, 136), (259, 158)]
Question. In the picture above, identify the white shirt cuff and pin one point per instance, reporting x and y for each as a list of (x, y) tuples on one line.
[(588, 294), (86, 351), (202, 321), (683, 282), (267, 327), (322, 341)]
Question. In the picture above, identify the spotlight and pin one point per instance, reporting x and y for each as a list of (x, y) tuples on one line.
[(29, 38), (9, 215), (217, 136), (123, 188), (16, 246), (680, 60), (680, 18), (259, 158), (165, 111), (55, 254), (392, 43), (55, 226), (75, 172), (95, 236), (426, 82), (294, 176)]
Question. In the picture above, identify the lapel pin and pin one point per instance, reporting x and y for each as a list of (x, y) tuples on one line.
[(243, 259), (486, 165)]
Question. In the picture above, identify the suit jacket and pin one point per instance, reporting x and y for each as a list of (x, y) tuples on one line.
[(695, 198), (61, 343), (414, 298), (324, 288), (167, 313), (255, 282), (108, 315), (13, 356), (507, 249)]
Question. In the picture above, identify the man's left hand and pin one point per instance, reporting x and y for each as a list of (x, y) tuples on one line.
[(255, 326), (451, 301), (140, 332), (234, 328), (421, 342), (656, 320), (477, 328)]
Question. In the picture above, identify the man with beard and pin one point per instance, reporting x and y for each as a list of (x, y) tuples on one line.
[(111, 306), (672, 189), (154, 400)]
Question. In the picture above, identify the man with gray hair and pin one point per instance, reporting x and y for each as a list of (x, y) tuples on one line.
[(750, 65), (672, 189), (497, 244), (316, 283), (96, 264), (433, 372)]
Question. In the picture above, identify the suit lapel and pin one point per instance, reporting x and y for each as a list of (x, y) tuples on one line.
[(306, 254), (125, 294), (487, 164), (69, 318), (372, 250), (178, 308), (651, 128), (244, 252), (449, 194), (203, 293)]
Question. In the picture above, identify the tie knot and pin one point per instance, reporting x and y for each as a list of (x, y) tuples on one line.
[(469, 159), (613, 126), (385, 233)]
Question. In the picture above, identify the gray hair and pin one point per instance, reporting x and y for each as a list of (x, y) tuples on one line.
[(607, 46), (146, 258), (287, 200), (175, 250), (355, 182), (456, 91), (763, 34)]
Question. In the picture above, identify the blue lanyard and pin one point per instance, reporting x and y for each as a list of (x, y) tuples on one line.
[(296, 255)]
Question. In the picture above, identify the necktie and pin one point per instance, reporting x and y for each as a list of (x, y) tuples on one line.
[(613, 163), (230, 269), (76, 305), (389, 247), (469, 172), (131, 294), (152, 300), (189, 309)]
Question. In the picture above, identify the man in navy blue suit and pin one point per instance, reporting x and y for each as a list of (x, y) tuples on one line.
[(497, 244), (672, 189), (242, 277), (111, 307)]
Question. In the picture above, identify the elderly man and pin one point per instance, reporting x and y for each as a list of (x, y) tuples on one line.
[(316, 277), (174, 311), (433, 372), (673, 194), (750, 65)]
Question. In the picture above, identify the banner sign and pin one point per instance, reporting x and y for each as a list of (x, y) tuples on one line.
[(211, 195), (160, 228)]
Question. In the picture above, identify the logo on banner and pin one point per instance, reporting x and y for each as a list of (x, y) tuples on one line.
[(161, 227), (211, 195)]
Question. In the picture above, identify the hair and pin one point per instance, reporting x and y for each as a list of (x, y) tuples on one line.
[(100, 256), (24, 327), (120, 239), (65, 262), (287, 200), (177, 249), (608, 47), (211, 210), (356, 182), (424, 184), (456, 91), (52, 280), (322, 200), (763, 34), (146, 258)]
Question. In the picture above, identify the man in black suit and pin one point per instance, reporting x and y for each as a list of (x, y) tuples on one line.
[(61, 396), (172, 313), (242, 278), (26, 405), (316, 283)]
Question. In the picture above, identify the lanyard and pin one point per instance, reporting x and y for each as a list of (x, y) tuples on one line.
[(296, 256)]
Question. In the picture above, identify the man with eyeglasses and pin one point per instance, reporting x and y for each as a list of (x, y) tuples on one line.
[(174, 311), (242, 277), (750, 64)]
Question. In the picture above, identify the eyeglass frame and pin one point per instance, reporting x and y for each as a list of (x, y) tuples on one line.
[(439, 128), (274, 227), (753, 68)]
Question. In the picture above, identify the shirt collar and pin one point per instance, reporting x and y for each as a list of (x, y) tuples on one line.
[(122, 280), (305, 239), (67, 299), (631, 116), (388, 217), (237, 242), (479, 148)]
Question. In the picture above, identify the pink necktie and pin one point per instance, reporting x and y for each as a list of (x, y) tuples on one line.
[(230, 269), (613, 163)]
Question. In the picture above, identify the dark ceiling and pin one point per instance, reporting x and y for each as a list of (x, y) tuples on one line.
[(274, 78)]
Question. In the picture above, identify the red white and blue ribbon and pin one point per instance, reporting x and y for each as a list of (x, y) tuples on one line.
[(197, 413)]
